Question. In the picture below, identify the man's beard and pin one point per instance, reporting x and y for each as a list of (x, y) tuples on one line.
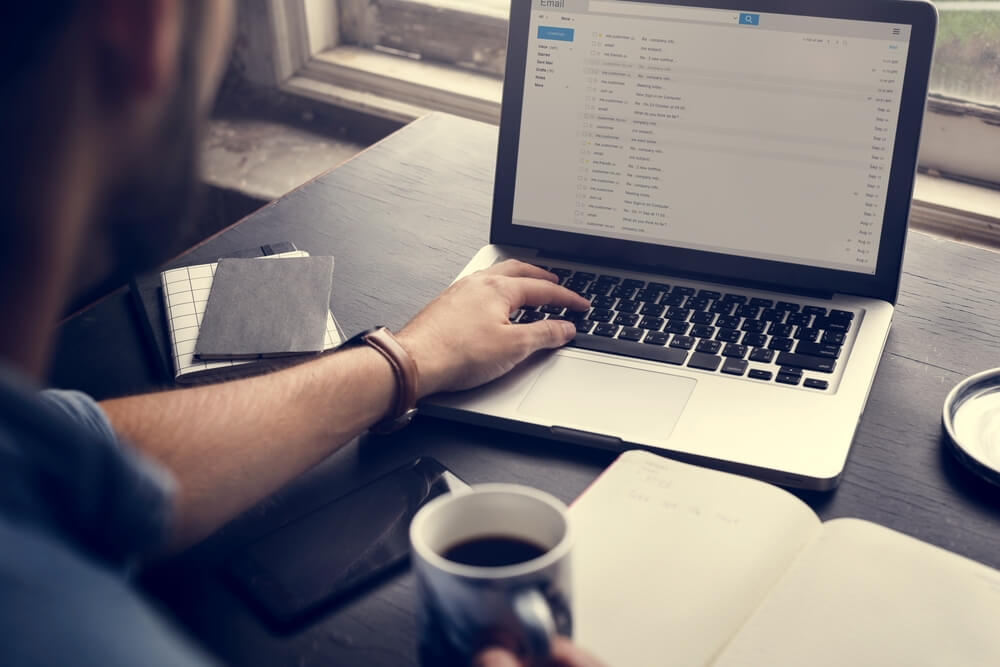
[(152, 209), (149, 212)]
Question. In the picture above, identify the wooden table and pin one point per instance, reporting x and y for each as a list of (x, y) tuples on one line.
[(402, 219)]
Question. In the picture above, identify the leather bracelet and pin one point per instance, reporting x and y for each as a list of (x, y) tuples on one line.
[(404, 369)]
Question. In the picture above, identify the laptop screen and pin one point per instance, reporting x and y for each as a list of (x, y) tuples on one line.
[(761, 135)]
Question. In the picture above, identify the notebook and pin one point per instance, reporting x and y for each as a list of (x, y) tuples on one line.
[(266, 309), (185, 294), (682, 565)]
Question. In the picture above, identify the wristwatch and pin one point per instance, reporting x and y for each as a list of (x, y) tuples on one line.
[(403, 368)]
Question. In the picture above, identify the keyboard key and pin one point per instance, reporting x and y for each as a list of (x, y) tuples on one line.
[(561, 272), (626, 319), (833, 338), (702, 331), (697, 303), (607, 330), (798, 319), (531, 316), (679, 289), (762, 356), (735, 351), (596, 290), (756, 374), (653, 310), (818, 350), (672, 299), (584, 275), (808, 335), (762, 303), (627, 306), (808, 362), (632, 334), (790, 370), (814, 310), (702, 318), (722, 308), (604, 302), (728, 335), (622, 292), (632, 283), (627, 349), (822, 385), (786, 378), (662, 287), (656, 338), (787, 306), (678, 313), (753, 326), (551, 310), (709, 346), (842, 326), (735, 367), (781, 344), (682, 342), (780, 330), (652, 323), (771, 315), (584, 326), (705, 362), (577, 284), (649, 295), (749, 312), (735, 298), (841, 315), (709, 294), (754, 340), (678, 327), (614, 280), (600, 315), (727, 322)]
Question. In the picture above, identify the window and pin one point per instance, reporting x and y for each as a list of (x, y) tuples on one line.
[(401, 58)]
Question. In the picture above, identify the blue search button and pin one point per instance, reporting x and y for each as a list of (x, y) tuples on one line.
[(557, 34), (749, 19)]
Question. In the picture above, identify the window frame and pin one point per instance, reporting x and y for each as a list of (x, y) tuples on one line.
[(309, 58)]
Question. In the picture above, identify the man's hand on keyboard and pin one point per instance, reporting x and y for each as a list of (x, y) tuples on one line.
[(464, 338)]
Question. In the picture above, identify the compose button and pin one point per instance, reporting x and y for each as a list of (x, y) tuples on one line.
[(749, 19), (558, 34)]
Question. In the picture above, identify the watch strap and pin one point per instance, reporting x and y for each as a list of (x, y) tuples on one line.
[(405, 371)]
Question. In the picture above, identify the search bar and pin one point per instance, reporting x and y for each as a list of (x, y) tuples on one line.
[(666, 12)]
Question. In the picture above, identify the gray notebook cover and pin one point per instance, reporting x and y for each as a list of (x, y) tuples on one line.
[(266, 308)]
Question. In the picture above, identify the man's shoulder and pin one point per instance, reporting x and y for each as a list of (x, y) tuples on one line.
[(58, 607), (63, 471)]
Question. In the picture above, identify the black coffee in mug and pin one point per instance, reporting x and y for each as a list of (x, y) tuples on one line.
[(493, 551)]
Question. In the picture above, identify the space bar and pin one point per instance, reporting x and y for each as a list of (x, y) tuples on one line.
[(629, 349)]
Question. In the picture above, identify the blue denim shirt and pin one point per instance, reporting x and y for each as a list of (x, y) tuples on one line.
[(77, 510)]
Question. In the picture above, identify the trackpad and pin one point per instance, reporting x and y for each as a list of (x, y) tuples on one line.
[(635, 405)]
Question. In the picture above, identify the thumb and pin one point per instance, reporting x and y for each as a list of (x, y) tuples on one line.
[(495, 657), (548, 333)]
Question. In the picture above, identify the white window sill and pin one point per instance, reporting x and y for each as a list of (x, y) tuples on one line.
[(956, 210)]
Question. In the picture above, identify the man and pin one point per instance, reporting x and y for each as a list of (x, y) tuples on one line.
[(98, 141)]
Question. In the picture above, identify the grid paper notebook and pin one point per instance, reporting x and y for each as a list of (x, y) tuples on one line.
[(185, 295)]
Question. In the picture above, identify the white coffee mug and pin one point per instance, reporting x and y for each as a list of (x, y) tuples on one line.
[(463, 607)]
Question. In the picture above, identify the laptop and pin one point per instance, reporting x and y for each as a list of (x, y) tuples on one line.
[(729, 185)]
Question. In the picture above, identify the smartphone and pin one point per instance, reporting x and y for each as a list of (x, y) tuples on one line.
[(338, 548)]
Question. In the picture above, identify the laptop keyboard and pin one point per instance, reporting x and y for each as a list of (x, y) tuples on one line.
[(733, 334)]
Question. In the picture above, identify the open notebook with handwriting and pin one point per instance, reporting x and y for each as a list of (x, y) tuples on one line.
[(681, 565)]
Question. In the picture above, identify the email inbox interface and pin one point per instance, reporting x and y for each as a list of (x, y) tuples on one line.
[(751, 134)]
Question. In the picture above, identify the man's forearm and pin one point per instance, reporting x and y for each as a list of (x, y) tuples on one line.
[(230, 445)]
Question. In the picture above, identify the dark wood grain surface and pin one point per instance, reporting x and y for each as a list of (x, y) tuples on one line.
[(402, 219)]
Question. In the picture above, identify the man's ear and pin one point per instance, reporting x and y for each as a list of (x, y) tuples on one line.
[(139, 42)]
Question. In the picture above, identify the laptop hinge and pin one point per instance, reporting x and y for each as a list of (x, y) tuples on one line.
[(706, 277), (585, 438)]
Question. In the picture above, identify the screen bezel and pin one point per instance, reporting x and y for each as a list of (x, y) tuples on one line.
[(884, 284)]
